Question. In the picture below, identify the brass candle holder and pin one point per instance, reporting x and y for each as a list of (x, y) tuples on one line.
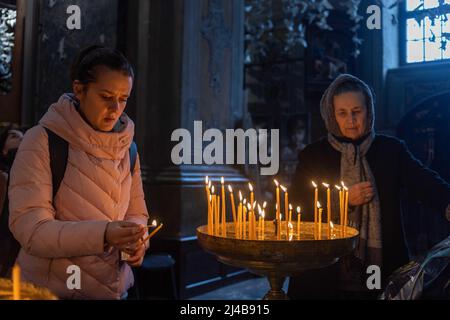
[(279, 257)]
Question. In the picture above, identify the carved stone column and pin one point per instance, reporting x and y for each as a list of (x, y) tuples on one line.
[(194, 72)]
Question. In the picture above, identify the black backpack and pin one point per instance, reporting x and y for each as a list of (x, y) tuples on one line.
[(59, 152)]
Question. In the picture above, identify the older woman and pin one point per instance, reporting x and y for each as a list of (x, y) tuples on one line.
[(99, 208), (376, 168)]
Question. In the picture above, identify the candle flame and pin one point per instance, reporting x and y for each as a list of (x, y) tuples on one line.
[(250, 187), (283, 188), (245, 201), (230, 189), (154, 223), (276, 182), (254, 205), (240, 195), (342, 183), (314, 184), (345, 188), (222, 180), (209, 184), (331, 225), (263, 214), (264, 204), (291, 236), (276, 206), (290, 225), (338, 187), (212, 189), (326, 185), (206, 180), (290, 206), (249, 206), (318, 205), (298, 209), (259, 209)]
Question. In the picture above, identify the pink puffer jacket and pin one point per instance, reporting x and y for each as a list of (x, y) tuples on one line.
[(97, 187)]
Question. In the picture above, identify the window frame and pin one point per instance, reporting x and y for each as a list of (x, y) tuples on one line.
[(404, 15)]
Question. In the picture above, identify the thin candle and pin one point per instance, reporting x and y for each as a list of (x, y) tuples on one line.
[(345, 210), (278, 209), (320, 219), (316, 195), (298, 221), (326, 185), (244, 214), (286, 207), (341, 206), (224, 219), (233, 205), (263, 215), (16, 282)]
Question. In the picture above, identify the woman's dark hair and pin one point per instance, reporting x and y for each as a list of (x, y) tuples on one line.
[(83, 68)]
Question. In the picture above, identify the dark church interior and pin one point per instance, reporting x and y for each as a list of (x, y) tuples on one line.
[(259, 65)]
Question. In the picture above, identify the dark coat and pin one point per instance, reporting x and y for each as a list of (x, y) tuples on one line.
[(395, 169)]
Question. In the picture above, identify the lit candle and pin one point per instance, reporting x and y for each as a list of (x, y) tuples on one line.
[(290, 229), (259, 221), (213, 210), (210, 215), (240, 216), (341, 214), (249, 210), (254, 219), (244, 222), (233, 205), (263, 215), (298, 221), (251, 213), (224, 220), (320, 219), (316, 195), (286, 207), (326, 185), (345, 210), (278, 209), (16, 282)]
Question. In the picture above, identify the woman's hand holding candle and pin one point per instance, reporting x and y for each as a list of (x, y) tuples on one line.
[(124, 235)]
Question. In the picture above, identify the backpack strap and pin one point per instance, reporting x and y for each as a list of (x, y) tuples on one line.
[(59, 152), (133, 156)]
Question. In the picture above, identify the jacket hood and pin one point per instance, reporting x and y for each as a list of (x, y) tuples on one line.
[(64, 119)]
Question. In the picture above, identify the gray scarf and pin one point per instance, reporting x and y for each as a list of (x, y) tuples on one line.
[(355, 169)]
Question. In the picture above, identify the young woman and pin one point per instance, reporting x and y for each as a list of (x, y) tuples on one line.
[(99, 209)]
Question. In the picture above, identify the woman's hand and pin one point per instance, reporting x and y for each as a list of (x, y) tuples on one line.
[(360, 193), (136, 259), (124, 235)]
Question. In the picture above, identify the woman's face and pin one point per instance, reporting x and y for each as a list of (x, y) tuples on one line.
[(102, 102), (351, 114)]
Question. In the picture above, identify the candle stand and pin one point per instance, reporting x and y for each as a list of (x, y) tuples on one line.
[(278, 258)]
